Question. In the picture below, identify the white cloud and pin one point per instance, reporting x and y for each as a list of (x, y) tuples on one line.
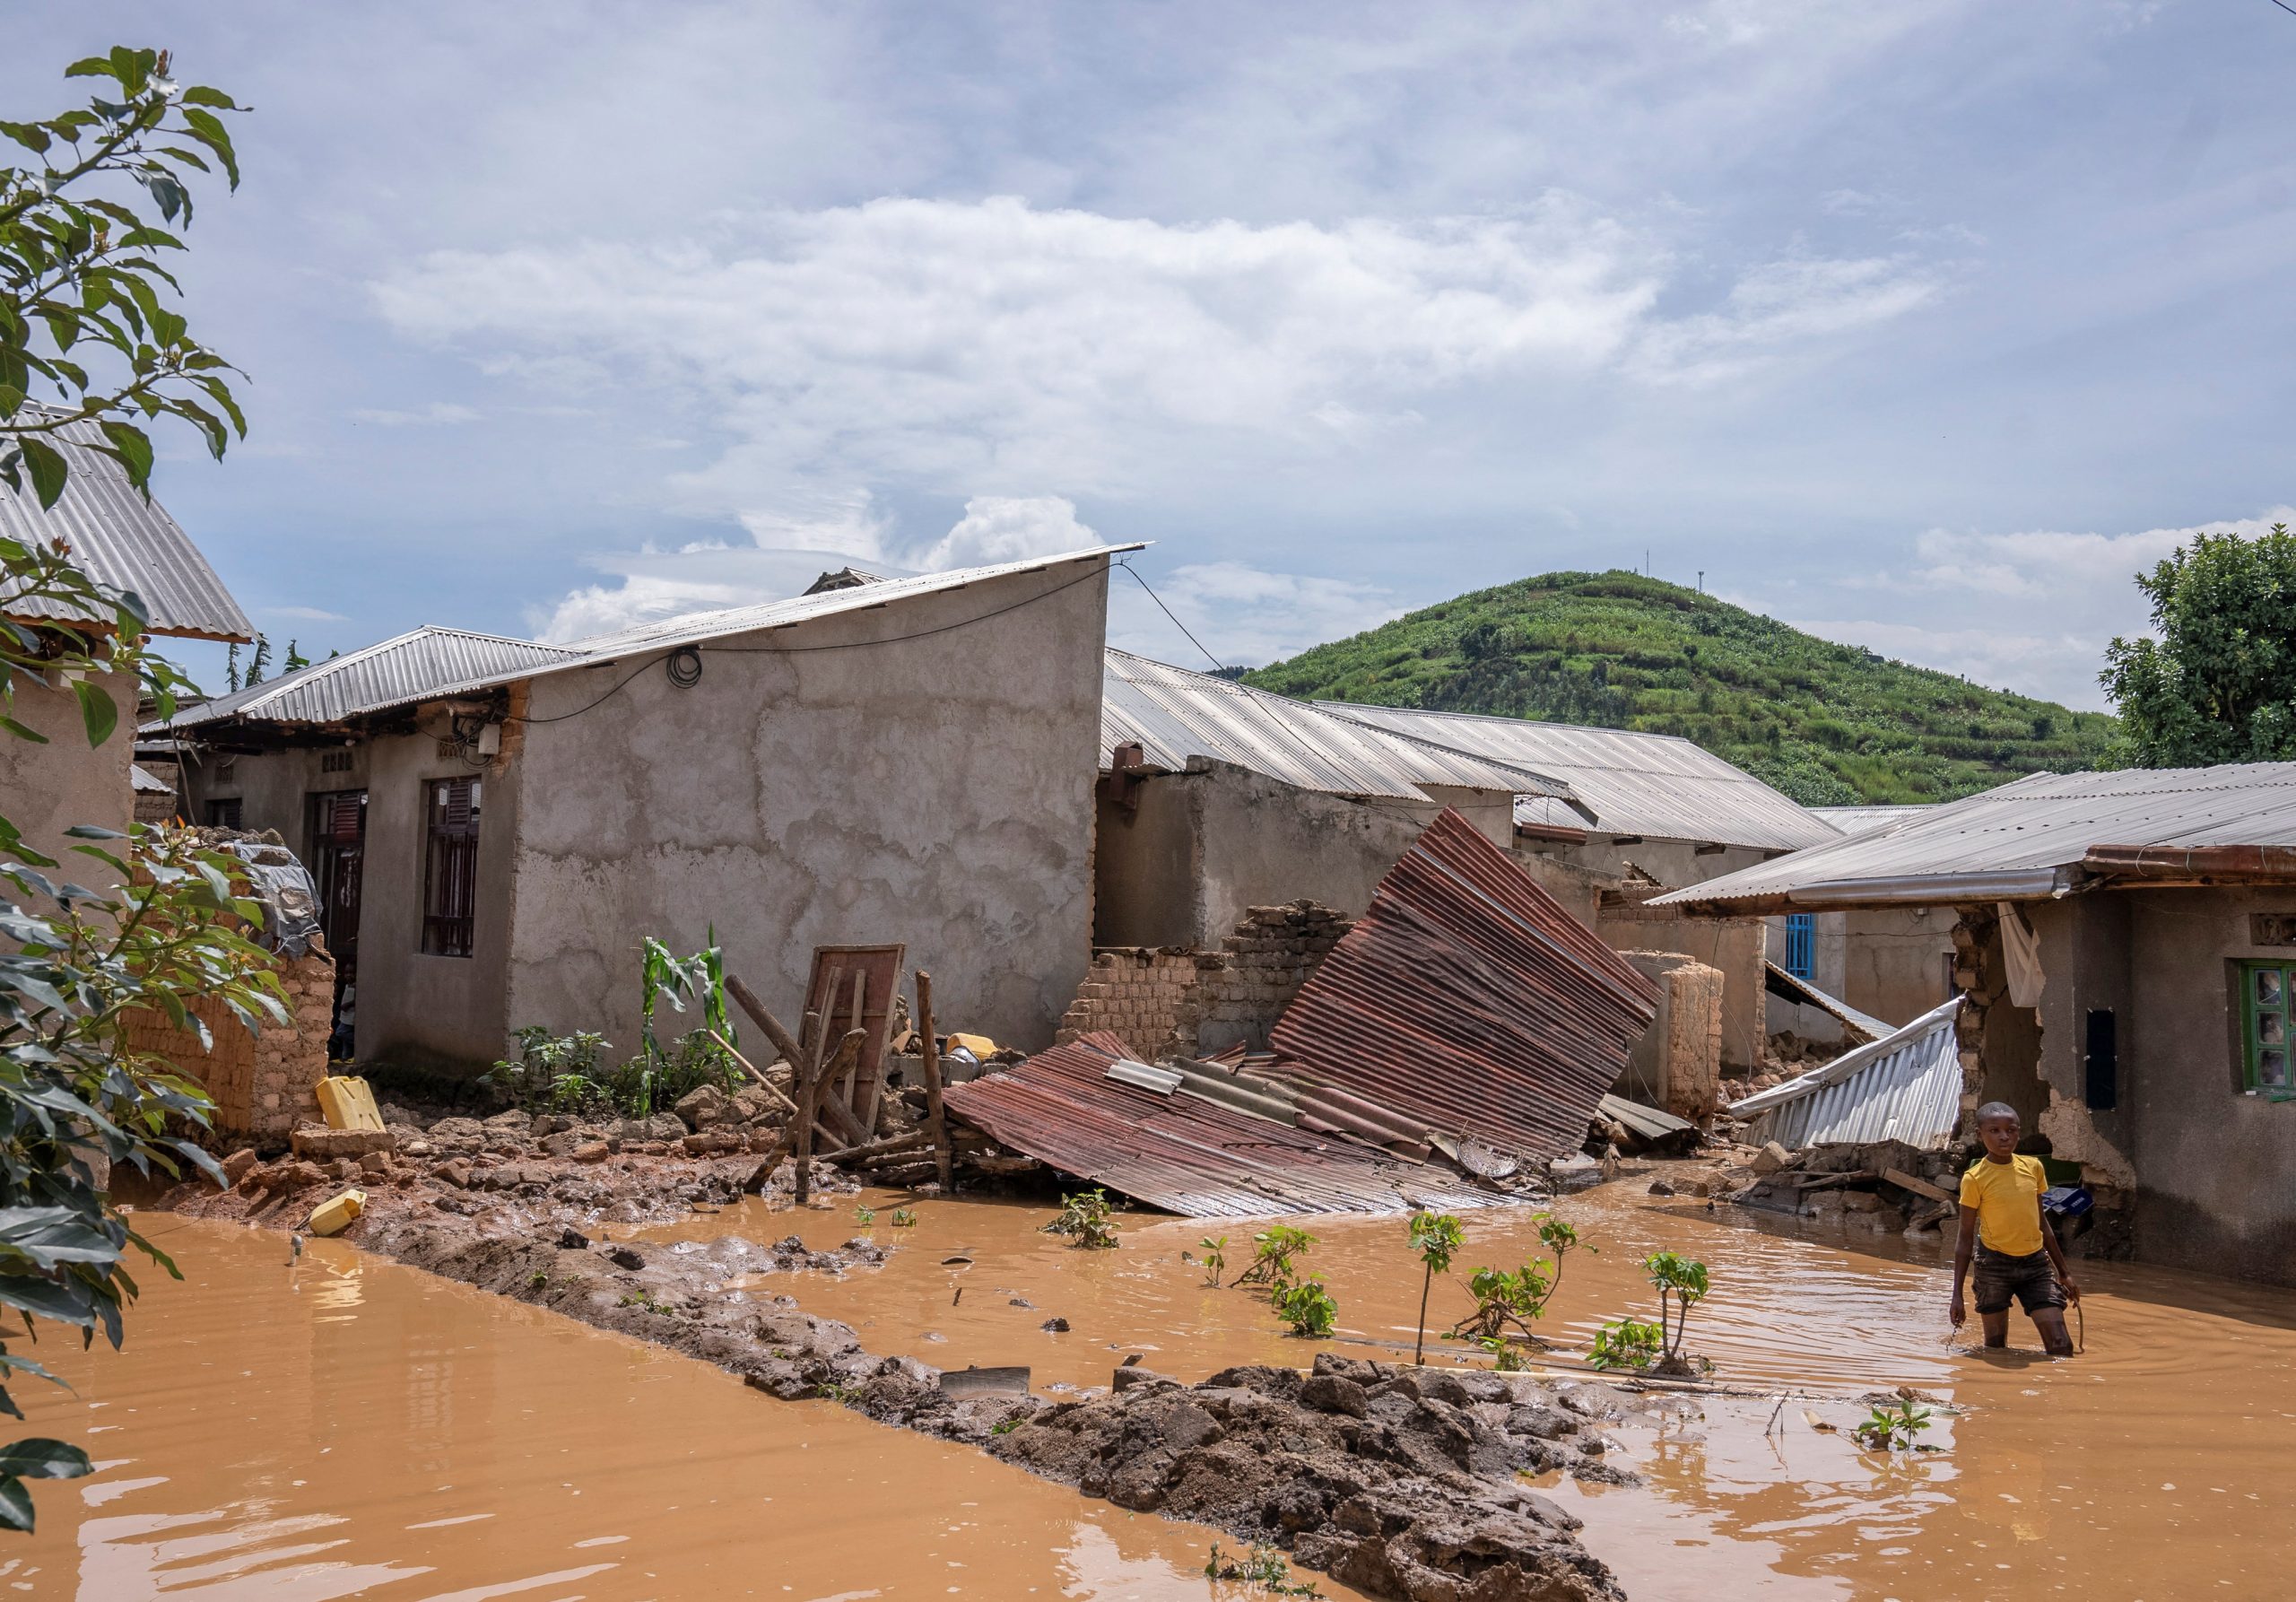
[(311, 615), (1007, 529), (1246, 616), (436, 414), (994, 347)]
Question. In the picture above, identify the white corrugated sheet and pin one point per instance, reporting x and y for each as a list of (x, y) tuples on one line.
[(1862, 1026), (1864, 820), (119, 538), (2024, 839), (411, 667), (1904, 1086), (1656, 787), (1173, 714)]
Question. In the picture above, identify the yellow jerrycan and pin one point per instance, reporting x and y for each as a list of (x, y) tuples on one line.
[(334, 1217)]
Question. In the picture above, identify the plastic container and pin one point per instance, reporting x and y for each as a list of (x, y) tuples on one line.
[(347, 1103), (979, 1045), (334, 1217)]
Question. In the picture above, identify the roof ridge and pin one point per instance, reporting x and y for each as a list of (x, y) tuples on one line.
[(1600, 728)]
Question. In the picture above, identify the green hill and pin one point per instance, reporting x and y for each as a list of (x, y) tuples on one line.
[(1828, 724)]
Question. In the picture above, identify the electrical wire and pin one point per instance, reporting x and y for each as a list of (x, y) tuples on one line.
[(2284, 6), (1217, 665), (792, 651)]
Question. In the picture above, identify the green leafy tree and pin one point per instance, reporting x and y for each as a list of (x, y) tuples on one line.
[(2219, 683), (89, 351), (1437, 1237)]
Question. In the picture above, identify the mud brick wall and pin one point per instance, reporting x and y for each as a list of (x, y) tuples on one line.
[(1179, 1002), (263, 1085), (1677, 1065), (1273, 951), (1146, 998)]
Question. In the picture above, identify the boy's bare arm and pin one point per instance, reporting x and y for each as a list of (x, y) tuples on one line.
[(1964, 1250), (2057, 1257)]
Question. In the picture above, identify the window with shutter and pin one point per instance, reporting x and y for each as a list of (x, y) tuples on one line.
[(450, 865)]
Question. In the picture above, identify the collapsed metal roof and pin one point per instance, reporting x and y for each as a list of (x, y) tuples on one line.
[(1173, 714), (1904, 1086), (1862, 1026), (2026, 841), (412, 667), (1467, 998), (119, 537), (1187, 1154), (1651, 786)]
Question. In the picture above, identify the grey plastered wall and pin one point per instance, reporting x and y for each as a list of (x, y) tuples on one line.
[(47, 788), (1199, 849), (1736, 947), (2216, 1168), (935, 791), (1898, 961), (412, 1006)]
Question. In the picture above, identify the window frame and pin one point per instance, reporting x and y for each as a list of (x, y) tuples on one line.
[(450, 859), (1804, 925), (2252, 1017)]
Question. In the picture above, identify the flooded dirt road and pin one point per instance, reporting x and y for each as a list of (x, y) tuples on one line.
[(2146, 1468), (360, 1429)]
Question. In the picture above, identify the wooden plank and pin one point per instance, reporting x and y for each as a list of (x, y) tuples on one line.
[(1906, 1181), (826, 991), (801, 1130), (935, 1118)]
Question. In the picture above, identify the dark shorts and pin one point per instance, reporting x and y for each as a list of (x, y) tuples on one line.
[(2030, 1279)]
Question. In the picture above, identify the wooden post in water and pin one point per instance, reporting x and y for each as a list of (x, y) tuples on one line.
[(801, 1128), (935, 1116)]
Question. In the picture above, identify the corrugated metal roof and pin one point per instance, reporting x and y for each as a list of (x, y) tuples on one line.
[(413, 667), (1173, 714), (2024, 839), (141, 778), (1188, 1155), (1862, 1026), (1904, 1086), (432, 663), (118, 536), (1864, 820), (1655, 785), (1469, 998)]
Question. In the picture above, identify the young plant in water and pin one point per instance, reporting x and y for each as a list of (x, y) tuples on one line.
[(1085, 1218), (1504, 1358), (1215, 1259), (1437, 1237), (1307, 1307), (903, 1219), (1263, 1569), (1505, 1299), (1890, 1429), (1624, 1343), (864, 1216), (1277, 1248), (1682, 1285)]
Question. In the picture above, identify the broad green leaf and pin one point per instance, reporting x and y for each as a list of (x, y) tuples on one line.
[(97, 711), (15, 1506), (47, 467), (135, 448), (40, 1458), (50, 1236), (64, 1300)]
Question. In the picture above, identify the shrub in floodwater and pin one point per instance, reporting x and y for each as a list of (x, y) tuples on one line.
[(1625, 1344), (1504, 1358), (1275, 1249), (1437, 1237), (1263, 1569), (1215, 1259), (903, 1219), (1514, 1297), (1307, 1307), (1086, 1219), (1887, 1429)]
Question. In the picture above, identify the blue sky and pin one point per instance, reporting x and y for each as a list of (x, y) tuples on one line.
[(1920, 324)]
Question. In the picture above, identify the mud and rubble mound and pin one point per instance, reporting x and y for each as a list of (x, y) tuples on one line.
[(1399, 1481)]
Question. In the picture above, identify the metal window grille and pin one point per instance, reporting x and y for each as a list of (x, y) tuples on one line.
[(2266, 1005), (1801, 944), (450, 866), (223, 813)]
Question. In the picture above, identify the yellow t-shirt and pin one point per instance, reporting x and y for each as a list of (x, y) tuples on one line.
[(2007, 1199)]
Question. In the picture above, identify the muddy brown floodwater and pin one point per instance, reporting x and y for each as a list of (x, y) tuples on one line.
[(353, 1428), (2150, 1467)]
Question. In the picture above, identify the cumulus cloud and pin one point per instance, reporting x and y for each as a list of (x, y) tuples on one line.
[(1007, 529), (1246, 616), (992, 346)]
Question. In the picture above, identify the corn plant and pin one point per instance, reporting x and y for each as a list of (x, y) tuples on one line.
[(1086, 1219), (1215, 1259), (1437, 1237), (1277, 1249)]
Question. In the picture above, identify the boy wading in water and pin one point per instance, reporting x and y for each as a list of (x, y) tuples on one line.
[(2004, 1227)]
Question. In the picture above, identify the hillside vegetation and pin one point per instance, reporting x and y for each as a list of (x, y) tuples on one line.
[(1827, 724)]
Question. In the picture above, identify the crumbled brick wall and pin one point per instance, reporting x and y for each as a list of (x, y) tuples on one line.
[(1677, 1065), (1178, 1003), (262, 1084)]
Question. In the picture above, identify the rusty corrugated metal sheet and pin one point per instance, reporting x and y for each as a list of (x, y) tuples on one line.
[(1188, 1155), (1467, 998)]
